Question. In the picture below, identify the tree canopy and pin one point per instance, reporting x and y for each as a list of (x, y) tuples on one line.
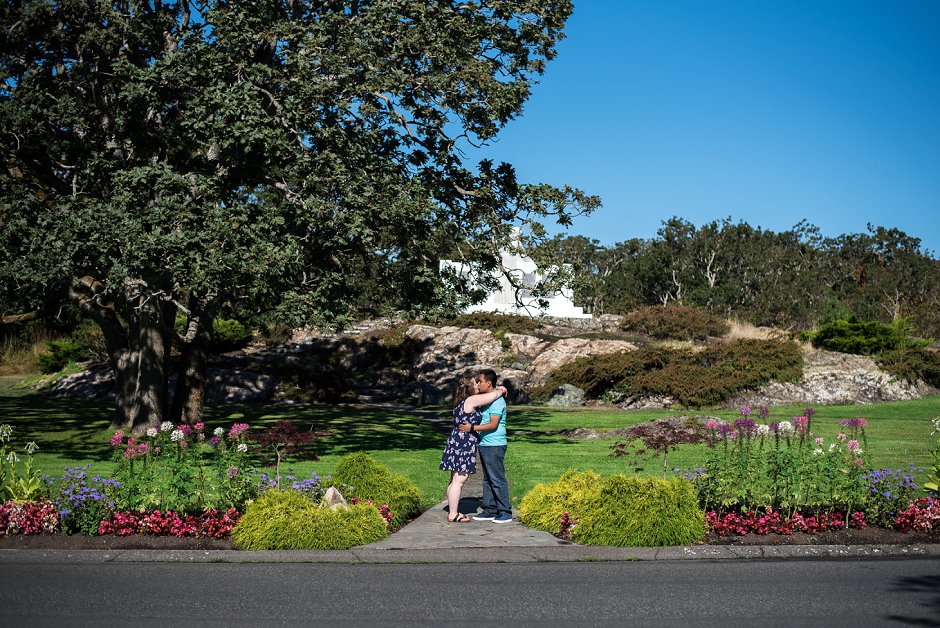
[(793, 279), (297, 157)]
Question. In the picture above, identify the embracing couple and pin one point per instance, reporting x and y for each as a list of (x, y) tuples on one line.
[(479, 425)]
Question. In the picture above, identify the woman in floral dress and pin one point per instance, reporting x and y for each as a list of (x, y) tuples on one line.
[(460, 453)]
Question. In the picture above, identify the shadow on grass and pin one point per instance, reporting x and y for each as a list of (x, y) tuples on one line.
[(74, 429)]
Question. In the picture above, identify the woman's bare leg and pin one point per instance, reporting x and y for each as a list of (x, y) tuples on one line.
[(457, 480)]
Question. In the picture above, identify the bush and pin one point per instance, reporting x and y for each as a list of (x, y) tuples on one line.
[(913, 364), (288, 520), (692, 378), (543, 507), (675, 321), (371, 480), (619, 511), (59, 353), (641, 512), (864, 337), (85, 343), (229, 334)]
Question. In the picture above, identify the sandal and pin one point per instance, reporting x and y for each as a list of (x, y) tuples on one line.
[(458, 518)]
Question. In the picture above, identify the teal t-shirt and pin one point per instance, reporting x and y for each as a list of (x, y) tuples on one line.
[(497, 436)]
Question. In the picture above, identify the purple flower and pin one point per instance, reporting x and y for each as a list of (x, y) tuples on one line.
[(231, 472), (763, 412), (745, 411), (214, 441)]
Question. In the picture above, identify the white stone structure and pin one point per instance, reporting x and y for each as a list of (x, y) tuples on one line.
[(503, 300)]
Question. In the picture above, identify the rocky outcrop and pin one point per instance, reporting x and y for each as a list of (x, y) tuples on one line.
[(437, 356), (836, 378)]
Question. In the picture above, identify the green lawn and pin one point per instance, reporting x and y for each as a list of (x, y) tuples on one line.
[(73, 432)]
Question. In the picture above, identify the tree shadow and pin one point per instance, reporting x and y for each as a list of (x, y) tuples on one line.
[(928, 585)]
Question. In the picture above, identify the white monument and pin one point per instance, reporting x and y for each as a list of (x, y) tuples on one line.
[(524, 272)]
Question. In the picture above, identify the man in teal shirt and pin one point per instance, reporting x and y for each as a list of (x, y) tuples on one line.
[(492, 450)]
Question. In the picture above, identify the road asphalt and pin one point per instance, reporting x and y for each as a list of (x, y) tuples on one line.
[(431, 539)]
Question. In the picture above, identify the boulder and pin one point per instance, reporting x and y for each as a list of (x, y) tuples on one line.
[(334, 500), (566, 395)]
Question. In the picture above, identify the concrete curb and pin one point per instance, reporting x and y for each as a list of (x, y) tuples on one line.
[(566, 553)]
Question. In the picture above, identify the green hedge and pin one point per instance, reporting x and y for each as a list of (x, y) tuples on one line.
[(675, 321), (372, 480), (692, 377), (288, 520), (619, 510)]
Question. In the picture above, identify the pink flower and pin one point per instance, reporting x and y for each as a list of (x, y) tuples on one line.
[(852, 445), (236, 430), (199, 426), (118, 439), (143, 449), (841, 437), (820, 440)]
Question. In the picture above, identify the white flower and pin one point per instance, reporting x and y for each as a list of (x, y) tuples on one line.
[(817, 452), (785, 427), (833, 447), (242, 447), (219, 431), (152, 432), (177, 435), (12, 457), (5, 431), (31, 448), (763, 430), (166, 426)]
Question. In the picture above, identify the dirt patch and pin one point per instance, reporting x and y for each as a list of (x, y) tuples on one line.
[(110, 542)]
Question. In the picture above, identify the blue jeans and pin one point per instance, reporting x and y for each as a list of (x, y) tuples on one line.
[(495, 485)]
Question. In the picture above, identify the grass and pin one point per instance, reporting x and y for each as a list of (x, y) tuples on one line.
[(75, 432)]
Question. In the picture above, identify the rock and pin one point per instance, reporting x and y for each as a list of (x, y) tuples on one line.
[(334, 500), (831, 378), (566, 395)]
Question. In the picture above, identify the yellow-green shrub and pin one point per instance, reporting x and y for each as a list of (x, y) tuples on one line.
[(372, 480), (620, 511), (288, 520), (543, 506), (640, 512)]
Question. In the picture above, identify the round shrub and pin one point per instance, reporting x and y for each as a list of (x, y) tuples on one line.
[(641, 512), (543, 506), (288, 520), (372, 480), (675, 321)]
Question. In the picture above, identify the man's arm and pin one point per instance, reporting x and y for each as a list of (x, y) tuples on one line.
[(485, 427)]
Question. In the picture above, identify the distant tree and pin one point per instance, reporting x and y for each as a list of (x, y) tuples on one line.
[(297, 157)]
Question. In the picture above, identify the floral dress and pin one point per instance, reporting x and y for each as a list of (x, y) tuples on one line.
[(460, 453)]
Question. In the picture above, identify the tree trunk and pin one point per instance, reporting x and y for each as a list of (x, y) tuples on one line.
[(142, 376), (190, 395)]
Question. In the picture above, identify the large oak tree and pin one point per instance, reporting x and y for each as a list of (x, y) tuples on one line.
[(299, 156)]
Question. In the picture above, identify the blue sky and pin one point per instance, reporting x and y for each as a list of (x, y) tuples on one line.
[(769, 112)]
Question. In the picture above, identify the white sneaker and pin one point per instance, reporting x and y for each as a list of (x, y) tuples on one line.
[(484, 517)]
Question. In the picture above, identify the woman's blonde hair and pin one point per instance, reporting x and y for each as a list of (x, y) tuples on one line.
[(465, 388)]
